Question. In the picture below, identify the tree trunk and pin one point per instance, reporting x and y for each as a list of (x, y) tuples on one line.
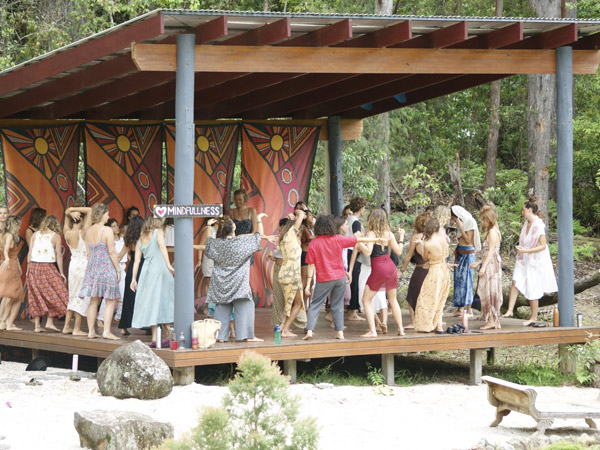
[(454, 169), (265, 5), (494, 128), (384, 7), (541, 99)]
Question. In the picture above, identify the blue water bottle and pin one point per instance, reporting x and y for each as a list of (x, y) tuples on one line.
[(277, 335)]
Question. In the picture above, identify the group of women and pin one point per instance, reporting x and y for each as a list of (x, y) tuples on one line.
[(326, 260)]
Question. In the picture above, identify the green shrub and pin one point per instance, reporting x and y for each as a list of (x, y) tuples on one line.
[(258, 413), (586, 357)]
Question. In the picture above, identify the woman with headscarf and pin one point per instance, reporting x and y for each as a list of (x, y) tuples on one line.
[(469, 243)]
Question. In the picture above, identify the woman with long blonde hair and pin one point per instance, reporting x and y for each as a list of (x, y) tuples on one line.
[(102, 274), (46, 286), (490, 270), (383, 270), (11, 287)]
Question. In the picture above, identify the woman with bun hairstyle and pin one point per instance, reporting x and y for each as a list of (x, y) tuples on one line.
[(533, 274), (490, 270), (11, 288), (46, 286)]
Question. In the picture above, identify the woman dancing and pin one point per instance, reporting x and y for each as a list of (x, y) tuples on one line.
[(230, 283), (103, 273), (490, 272), (383, 270), (122, 256), (435, 288), (35, 220), (533, 274), (11, 287), (420, 272), (244, 218), (47, 292), (77, 221), (155, 299), (132, 234)]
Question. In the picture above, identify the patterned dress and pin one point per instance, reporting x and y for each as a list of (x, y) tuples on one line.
[(490, 284), (100, 278), (155, 297), (463, 276), (290, 279), (433, 295), (10, 279), (77, 266)]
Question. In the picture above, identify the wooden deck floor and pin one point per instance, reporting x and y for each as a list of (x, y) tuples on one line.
[(323, 345)]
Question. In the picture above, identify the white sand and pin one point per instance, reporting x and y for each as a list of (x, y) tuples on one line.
[(434, 416)]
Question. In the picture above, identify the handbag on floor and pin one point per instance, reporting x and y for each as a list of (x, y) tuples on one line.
[(206, 330)]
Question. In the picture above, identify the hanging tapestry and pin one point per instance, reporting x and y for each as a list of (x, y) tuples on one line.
[(123, 166), (215, 149), (277, 166), (40, 165)]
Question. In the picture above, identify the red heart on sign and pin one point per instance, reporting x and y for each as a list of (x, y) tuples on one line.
[(160, 211)]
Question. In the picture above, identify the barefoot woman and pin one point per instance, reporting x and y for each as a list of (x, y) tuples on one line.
[(11, 287)]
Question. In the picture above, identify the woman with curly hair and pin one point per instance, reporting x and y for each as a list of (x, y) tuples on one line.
[(46, 286), (11, 287), (102, 274), (35, 220), (383, 270)]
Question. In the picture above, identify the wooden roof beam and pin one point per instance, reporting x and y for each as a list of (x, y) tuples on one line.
[(443, 37), (548, 40), (89, 51), (206, 32), (141, 101)]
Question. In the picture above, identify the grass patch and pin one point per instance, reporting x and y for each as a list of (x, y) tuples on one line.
[(533, 375), (568, 445)]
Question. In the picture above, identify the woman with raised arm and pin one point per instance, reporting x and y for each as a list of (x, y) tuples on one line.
[(420, 272), (77, 221), (132, 235), (533, 275), (46, 286), (244, 218), (230, 283), (383, 270), (435, 288), (3, 218), (103, 273), (289, 276), (490, 270), (11, 287), (155, 298)]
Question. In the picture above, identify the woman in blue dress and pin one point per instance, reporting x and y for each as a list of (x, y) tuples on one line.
[(155, 290)]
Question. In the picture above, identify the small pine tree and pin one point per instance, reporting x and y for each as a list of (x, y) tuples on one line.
[(258, 414)]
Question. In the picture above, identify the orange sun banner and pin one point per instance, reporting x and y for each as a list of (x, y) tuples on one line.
[(123, 166), (215, 149), (277, 166), (40, 165)]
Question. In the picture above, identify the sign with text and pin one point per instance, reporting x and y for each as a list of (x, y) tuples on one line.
[(187, 211)]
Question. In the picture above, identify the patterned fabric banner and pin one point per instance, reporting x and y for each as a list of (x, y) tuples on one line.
[(40, 165), (124, 166), (215, 150), (277, 166)]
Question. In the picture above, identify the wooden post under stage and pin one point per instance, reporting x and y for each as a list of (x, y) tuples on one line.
[(564, 183), (184, 185), (334, 151)]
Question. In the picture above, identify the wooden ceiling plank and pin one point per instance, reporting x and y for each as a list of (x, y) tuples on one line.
[(548, 40), (82, 54), (384, 37)]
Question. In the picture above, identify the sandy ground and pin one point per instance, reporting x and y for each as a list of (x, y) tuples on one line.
[(433, 416)]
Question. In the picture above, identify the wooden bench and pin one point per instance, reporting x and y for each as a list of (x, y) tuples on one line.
[(507, 397)]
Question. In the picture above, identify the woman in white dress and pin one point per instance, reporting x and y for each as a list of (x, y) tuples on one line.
[(77, 221), (533, 275)]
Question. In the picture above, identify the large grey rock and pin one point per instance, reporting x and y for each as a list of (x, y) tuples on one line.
[(133, 370), (120, 430)]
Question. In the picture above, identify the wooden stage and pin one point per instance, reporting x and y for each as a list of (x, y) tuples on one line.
[(322, 346)]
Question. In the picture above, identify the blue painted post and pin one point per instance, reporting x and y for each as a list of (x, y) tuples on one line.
[(184, 185), (564, 183), (334, 149)]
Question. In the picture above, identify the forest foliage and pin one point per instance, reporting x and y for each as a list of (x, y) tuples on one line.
[(423, 137)]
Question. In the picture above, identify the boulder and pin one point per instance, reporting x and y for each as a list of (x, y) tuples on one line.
[(120, 430), (134, 371)]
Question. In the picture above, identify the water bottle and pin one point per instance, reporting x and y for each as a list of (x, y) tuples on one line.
[(172, 338), (181, 341), (194, 339), (277, 335), (158, 336)]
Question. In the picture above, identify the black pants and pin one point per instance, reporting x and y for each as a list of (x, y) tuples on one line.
[(354, 300)]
